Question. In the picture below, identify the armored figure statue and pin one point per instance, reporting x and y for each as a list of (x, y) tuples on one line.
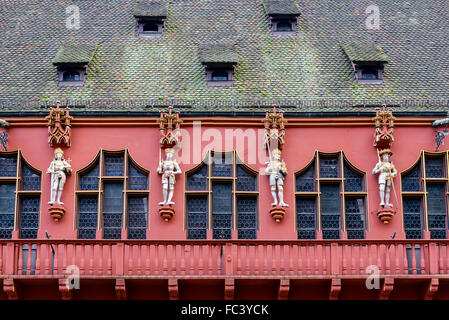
[(168, 168), (58, 169), (277, 170), (386, 170)]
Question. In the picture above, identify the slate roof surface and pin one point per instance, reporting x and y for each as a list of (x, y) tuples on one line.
[(281, 7), (308, 69), (74, 53), (364, 52), (218, 53), (145, 8)]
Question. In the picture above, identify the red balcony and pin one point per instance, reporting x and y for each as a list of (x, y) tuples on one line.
[(317, 269)]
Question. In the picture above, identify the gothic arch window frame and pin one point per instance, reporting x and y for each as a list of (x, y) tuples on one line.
[(20, 193), (208, 192), (99, 193), (423, 192), (340, 179)]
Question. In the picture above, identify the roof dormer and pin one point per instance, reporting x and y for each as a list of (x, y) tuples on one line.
[(282, 16), (150, 18), (368, 61), (219, 61), (72, 61)]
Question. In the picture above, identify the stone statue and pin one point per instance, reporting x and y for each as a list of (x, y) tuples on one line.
[(277, 170), (168, 168), (386, 170), (58, 169)]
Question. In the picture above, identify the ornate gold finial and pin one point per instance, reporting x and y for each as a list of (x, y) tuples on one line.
[(169, 125), (384, 124), (274, 124), (59, 124)]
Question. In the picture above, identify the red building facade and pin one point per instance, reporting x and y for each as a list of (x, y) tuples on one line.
[(110, 237)]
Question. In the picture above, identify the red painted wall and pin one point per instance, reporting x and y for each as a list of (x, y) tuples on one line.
[(142, 142)]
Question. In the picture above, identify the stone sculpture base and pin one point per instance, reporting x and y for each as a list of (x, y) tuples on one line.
[(56, 211), (385, 214), (166, 212), (277, 213)]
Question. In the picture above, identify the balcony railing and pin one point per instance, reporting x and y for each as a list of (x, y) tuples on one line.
[(223, 258)]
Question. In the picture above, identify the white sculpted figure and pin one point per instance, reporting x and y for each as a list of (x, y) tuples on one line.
[(386, 170), (168, 168), (58, 169), (277, 170)]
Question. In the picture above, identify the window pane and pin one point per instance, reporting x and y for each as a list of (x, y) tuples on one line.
[(245, 180), (355, 218), (196, 217), (353, 181), (198, 179), (30, 179), (29, 217), (330, 211), (150, 27), (284, 26), (71, 76), (7, 207), (87, 219), (222, 165), (436, 209), (113, 166), (222, 210), (8, 166), (219, 76), (137, 179), (434, 167), (329, 167), (370, 74), (412, 180), (113, 210), (413, 218), (137, 217), (89, 180), (305, 217), (247, 217), (305, 182)]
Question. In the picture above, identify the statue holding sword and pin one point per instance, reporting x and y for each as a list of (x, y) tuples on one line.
[(386, 170)]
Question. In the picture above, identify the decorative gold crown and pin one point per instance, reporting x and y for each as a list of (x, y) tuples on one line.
[(385, 151), (169, 150), (277, 151), (59, 150)]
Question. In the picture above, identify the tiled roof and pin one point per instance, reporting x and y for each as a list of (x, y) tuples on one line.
[(281, 7), (364, 52), (74, 53), (148, 8), (308, 66), (218, 53)]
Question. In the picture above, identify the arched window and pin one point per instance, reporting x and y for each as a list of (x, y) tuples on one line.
[(330, 196), (20, 192), (112, 195), (71, 76), (424, 194), (231, 189)]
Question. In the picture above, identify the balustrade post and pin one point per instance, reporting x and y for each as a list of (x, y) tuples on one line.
[(335, 259), (10, 259), (120, 258), (228, 261), (433, 258)]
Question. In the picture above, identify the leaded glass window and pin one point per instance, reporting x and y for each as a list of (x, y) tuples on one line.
[(20, 192), (330, 198), (424, 191), (227, 184), (113, 198)]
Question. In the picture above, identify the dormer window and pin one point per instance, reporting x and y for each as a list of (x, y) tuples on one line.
[(219, 61), (71, 76), (71, 61), (367, 60), (150, 18), (282, 16)]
